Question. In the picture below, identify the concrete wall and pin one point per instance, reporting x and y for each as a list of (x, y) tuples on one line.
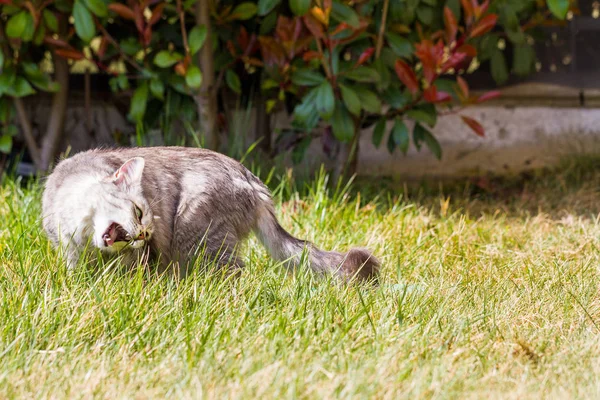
[(531, 126)]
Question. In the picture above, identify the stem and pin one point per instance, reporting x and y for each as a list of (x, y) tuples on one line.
[(386, 4), (55, 129), (112, 41), (183, 30), (206, 99), (34, 150)]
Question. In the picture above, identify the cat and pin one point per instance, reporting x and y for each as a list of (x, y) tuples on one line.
[(171, 204)]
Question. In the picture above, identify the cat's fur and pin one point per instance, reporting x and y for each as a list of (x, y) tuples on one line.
[(192, 201)]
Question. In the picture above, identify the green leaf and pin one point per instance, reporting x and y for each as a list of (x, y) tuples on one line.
[(20, 88), (265, 6), (38, 78), (300, 7), (17, 24), (29, 31), (157, 88), (425, 14), (425, 114), (268, 24), (325, 100), (305, 114), (399, 135), (138, 103), (11, 130), (454, 5), (523, 59), (432, 143), (342, 13), (395, 97), (362, 74), (558, 7), (369, 101), (378, 132), (233, 81), (300, 149), (399, 44), (350, 99), (193, 77), (307, 77), (342, 124), (165, 59), (98, 7), (498, 67), (5, 144), (84, 22), (1, 60), (50, 20), (197, 38), (244, 11), (7, 79)]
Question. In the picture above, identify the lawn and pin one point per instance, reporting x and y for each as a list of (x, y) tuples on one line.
[(487, 290)]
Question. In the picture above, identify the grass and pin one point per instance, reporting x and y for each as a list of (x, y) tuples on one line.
[(486, 290)]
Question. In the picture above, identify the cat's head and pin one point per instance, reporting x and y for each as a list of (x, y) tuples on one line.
[(123, 218)]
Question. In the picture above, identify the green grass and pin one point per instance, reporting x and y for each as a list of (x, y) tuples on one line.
[(484, 293)]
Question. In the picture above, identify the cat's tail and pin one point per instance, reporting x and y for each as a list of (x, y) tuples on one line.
[(356, 263)]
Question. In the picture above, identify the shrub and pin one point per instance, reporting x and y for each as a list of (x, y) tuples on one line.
[(338, 65)]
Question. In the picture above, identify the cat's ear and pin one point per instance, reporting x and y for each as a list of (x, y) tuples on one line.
[(130, 173)]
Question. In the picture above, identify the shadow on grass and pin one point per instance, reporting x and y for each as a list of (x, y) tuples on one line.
[(571, 188)]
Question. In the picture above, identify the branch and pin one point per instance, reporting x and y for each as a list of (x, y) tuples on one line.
[(34, 150), (182, 25), (386, 4)]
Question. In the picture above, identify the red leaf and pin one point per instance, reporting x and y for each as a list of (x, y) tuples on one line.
[(454, 61), (285, 28), (341, 27), (451, 25), (180, 68), (56, 42), (156, 13), (489, 96), (147, 35), (272, 52), (313, 26), (365, 56), (71, 54), (407, 76), (464, 86), (481, 9), (231, 48), (139, 18), (431, 57), (242, 38), (311, 55), (103, 46), (467, 49), (485, 25), (432, 95), (469, 11), (122, 10), (474, 125)]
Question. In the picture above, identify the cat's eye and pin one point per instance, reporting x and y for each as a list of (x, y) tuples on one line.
[(138, 213)]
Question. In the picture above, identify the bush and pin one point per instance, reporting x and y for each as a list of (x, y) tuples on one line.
[(337, 65)]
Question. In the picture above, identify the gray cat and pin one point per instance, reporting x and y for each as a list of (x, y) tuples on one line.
[(172, 204)]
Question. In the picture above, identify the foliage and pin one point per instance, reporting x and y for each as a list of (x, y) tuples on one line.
[(337, 65)]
